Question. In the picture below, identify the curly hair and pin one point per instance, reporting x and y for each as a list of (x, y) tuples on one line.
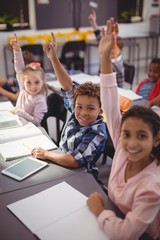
[(149, 117), (87, 89)]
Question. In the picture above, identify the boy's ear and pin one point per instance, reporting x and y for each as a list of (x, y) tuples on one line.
[(101, 112)]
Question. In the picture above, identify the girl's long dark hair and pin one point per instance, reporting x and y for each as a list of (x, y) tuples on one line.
[(148, 116)]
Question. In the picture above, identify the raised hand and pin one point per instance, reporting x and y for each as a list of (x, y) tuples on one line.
[(15, 43), (107, 41), (93, 20), (51, 47)]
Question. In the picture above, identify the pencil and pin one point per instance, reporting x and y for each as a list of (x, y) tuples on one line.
[(115, 45)]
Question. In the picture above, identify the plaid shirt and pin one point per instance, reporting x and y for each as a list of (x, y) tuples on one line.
[(85, 144)]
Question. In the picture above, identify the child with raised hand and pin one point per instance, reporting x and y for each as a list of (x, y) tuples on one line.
[(10, 88), (134, 182), (149, 88), (31, 103), (117, 63), (84, 135)]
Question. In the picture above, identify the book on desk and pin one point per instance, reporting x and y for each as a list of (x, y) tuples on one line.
[(6, 106), (59, 212), (18, 142), (9, 120)]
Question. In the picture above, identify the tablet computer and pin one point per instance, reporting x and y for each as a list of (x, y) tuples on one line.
[(24, 168)]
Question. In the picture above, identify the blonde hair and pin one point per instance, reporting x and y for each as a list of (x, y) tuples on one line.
[(35, 67)]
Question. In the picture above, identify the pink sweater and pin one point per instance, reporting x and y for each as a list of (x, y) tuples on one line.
[(31, 108), (139, 197)]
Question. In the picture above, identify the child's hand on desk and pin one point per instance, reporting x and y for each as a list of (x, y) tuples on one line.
[(95, 203), (13, 110), (51, 47), (148, 104), (39, 153)]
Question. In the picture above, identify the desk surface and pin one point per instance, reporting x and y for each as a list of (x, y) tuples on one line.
[(49, 173), (12, 228)]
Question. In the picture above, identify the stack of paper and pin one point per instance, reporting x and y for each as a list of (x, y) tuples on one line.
[(9, 120), (60, 212), (6, 106)]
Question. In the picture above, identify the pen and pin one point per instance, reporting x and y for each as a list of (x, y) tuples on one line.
[(115, 44)]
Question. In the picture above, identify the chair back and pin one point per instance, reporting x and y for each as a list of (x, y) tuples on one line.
[(55, 118), (37, 51), (109, 148), (73, 55), (129, 71)]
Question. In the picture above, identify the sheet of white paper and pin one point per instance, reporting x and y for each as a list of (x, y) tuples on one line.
[(129, 94), (59, 212), (80, 225), (48, 206), (156, 109)]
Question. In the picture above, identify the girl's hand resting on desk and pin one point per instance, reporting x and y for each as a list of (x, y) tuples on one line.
[(95, 203), (39, 153), (13, 110)]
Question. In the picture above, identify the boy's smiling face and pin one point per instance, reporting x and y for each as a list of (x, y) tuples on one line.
[(87, 109), (153, 72)]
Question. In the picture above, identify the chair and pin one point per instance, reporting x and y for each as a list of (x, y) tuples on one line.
[(73, 55), (129, 71), (55, 118), (37, 51), (109, 148)]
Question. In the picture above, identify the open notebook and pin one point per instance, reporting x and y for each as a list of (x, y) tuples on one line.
[(18, 142), (16, 133), (59, 212)]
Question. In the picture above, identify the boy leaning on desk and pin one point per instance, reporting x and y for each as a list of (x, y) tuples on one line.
[(84, 135)]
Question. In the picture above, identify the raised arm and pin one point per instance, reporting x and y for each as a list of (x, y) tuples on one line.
[(105, 47), (92, 18), (108, 83), (18, 57), (63, 77)]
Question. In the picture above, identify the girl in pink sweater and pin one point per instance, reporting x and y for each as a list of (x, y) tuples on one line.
[(31, 103), (134, 183)]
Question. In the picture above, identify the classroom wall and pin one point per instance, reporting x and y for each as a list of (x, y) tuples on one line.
[(124, 29)]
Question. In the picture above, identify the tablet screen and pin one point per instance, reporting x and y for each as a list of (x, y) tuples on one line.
[(24, 168)]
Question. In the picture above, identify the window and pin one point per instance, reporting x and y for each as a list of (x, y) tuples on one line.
[(14, 15), (130, 11)]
